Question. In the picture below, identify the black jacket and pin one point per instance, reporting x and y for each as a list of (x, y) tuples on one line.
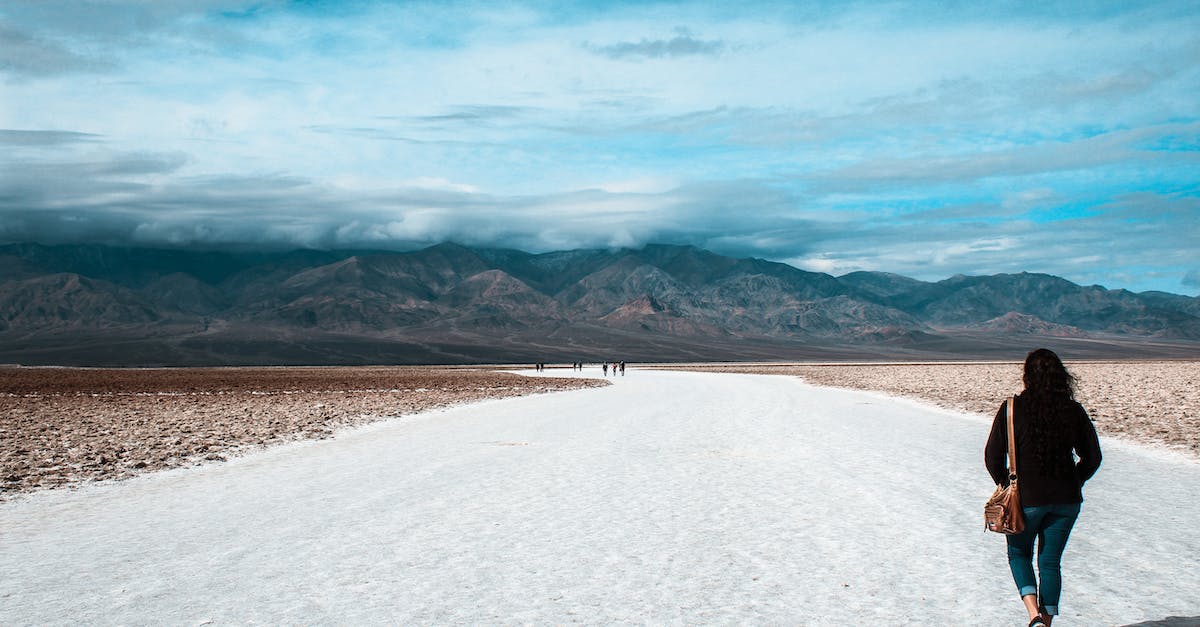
[(1038, 486)]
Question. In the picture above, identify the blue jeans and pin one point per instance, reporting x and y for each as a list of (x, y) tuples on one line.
[(1051, 526)]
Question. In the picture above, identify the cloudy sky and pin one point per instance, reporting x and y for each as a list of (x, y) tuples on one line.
[(926, 139)]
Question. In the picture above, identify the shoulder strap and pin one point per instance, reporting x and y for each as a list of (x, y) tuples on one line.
[(1012, 440)]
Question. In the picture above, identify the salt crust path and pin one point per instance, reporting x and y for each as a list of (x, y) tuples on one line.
[(667, 498)]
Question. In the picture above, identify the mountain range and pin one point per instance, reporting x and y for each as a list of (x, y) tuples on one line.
[(104, 305)]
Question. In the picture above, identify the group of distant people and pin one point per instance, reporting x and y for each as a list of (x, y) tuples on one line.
[(615, 367)]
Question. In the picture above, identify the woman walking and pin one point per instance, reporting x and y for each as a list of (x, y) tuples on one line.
[(1050, 425)]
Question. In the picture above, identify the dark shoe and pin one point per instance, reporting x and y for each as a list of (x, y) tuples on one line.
[(1037, 621)]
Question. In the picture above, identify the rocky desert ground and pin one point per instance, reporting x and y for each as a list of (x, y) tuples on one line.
[(63, 426), (1153, 402)]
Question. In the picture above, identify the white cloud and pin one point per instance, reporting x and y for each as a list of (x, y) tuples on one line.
[(645, 185), (435, 183), (836, 267)]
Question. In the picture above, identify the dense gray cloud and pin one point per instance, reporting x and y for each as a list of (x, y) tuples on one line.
[(13, 137), (45, 174), (123, 199), (142, 198), (114, 200), (23, 54), (681, 45)]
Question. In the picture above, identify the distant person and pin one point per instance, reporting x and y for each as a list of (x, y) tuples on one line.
[(1049, 425), (606, 368), (622, 368)]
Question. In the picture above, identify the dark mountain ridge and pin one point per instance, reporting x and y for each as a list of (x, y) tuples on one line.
[(100, 305)]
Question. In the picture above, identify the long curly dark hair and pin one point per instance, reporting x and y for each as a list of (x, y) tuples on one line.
[(1045, 374), (1047, 401)]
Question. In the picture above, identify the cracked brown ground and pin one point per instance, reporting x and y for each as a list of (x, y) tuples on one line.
[(1152, 402), (63, 426)]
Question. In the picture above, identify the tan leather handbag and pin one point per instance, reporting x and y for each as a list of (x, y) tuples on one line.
[(1002, 513)]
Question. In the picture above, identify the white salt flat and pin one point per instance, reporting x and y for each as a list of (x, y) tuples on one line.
[(667, 498)]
